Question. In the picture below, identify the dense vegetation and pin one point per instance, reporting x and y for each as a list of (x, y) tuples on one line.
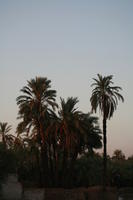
[(87, 170), (54, 145)]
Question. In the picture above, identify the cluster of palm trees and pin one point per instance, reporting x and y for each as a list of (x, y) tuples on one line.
[(59, 134)]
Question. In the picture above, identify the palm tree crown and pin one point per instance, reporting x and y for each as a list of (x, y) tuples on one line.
[(69, 117), (4, 130), (35, 103), (105, 96)]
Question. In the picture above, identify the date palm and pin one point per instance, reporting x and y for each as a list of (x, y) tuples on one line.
[(69, 116), (106, 97), (92, 133), (4, 132), (78, 132), (69, 134), (35, 106)]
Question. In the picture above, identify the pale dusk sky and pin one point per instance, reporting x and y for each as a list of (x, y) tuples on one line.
[(69, 42)]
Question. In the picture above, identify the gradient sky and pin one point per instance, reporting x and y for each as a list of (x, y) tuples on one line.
[(69, 41)]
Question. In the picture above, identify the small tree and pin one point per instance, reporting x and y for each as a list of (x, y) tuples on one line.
[(118, 155), (4, 132)]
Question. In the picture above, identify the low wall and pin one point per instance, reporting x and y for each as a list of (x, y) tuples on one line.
[(13, 190)]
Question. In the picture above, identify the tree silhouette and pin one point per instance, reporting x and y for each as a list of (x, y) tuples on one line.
[(35, 106), (105, 96), (7, 138)]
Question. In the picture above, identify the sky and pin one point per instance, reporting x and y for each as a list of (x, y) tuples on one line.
[(69, 42)]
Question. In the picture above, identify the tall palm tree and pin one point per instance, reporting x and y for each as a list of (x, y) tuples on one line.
[(35, 106), (69, 135), (106, 97), (4, 132), (78, 132)]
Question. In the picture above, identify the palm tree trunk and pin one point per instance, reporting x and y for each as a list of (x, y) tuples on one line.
[(104, 153), (71, 168), (40, 172), (51, 170), (4, 140), (64, 167), (44, 155), (55, 164)]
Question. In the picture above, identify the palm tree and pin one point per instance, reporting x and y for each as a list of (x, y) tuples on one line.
[(4, 132), (92, 133), (106, 97), (69, 126), (77, 132), (69, 135), (35, 106)]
